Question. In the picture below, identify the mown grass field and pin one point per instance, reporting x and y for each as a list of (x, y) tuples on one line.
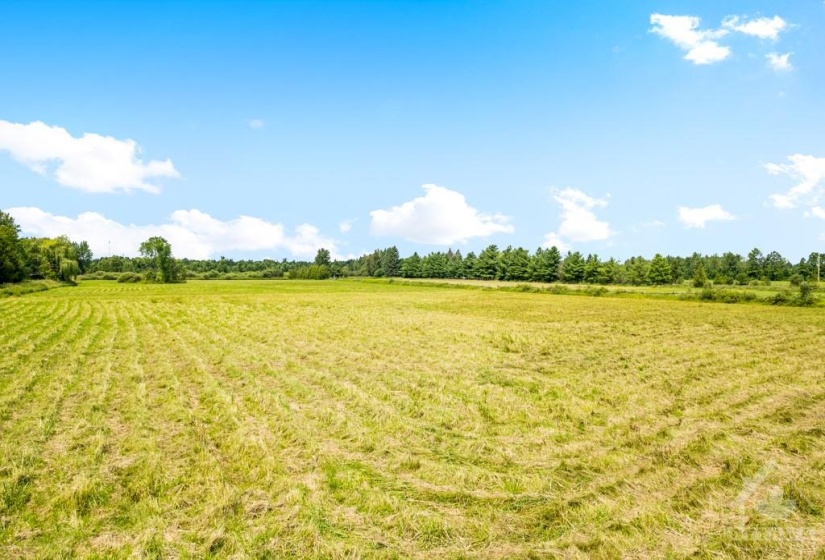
[(345, 419)]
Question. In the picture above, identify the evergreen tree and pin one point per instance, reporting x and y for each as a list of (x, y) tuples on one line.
[(572, 268), (659, 272), (470, 266), (514, 264), (592, 272), (391, 262), (636, 270), (700, 279), (411, 266), (455, 265), (610, 272), (487, 263)]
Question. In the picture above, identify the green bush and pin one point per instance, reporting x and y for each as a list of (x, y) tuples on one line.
[(130, 278), (781, 298), (806, 294)]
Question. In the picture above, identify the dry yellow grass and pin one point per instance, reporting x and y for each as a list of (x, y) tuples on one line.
[(348, 419)]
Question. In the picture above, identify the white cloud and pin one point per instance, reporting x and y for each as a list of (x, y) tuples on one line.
[(552, 239), (818, 212), (699, 217), (779, 62), (764, 28), (256, 123), (192, 233), (809, 171), (440, 217), (345, 226), (91, 163), (701, 46), (579, 223)]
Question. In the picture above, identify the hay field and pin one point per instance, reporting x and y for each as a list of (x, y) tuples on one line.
[(344, 419)]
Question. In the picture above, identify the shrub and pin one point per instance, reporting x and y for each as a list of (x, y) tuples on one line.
[(129, 277), (726, 296), (595, 291), (781, 298), (806, 294)]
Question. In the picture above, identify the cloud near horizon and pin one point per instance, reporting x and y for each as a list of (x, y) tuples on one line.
[(192, 233), (699, 217), (440, 217), (579, 223), (90, 163), (809, 172)]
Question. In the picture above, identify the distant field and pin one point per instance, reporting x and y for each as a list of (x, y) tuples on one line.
[(346, 419), (761, 291)]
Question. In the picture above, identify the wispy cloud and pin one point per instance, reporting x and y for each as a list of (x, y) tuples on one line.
[(764, 28), (808, 171), (702, 46), (779, 62), (256, 123)]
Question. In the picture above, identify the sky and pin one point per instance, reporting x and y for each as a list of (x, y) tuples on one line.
[(271, 129)]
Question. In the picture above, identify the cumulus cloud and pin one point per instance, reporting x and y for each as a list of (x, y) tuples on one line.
[(764, 28), (779, 62), (91, 163), (700, 45), (345, 226), (579, 223), (699, 217), (553, 239), (192, 233), (809, 173), (440, 217), (256, 123)]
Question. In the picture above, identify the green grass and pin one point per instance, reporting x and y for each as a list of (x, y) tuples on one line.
[(28, 287), (347, 419)]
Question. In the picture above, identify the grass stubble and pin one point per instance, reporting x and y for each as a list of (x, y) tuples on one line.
[(346, 420)]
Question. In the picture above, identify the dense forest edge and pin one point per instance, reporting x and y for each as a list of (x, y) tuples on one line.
[(29, 264)]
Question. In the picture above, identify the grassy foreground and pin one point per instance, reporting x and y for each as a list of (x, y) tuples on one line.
[(342, 419)]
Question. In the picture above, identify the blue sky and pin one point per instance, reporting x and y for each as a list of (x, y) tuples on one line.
[(267, 129)]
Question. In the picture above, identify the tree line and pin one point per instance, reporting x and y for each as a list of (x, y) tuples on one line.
[(62, 259), (511, 264)]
